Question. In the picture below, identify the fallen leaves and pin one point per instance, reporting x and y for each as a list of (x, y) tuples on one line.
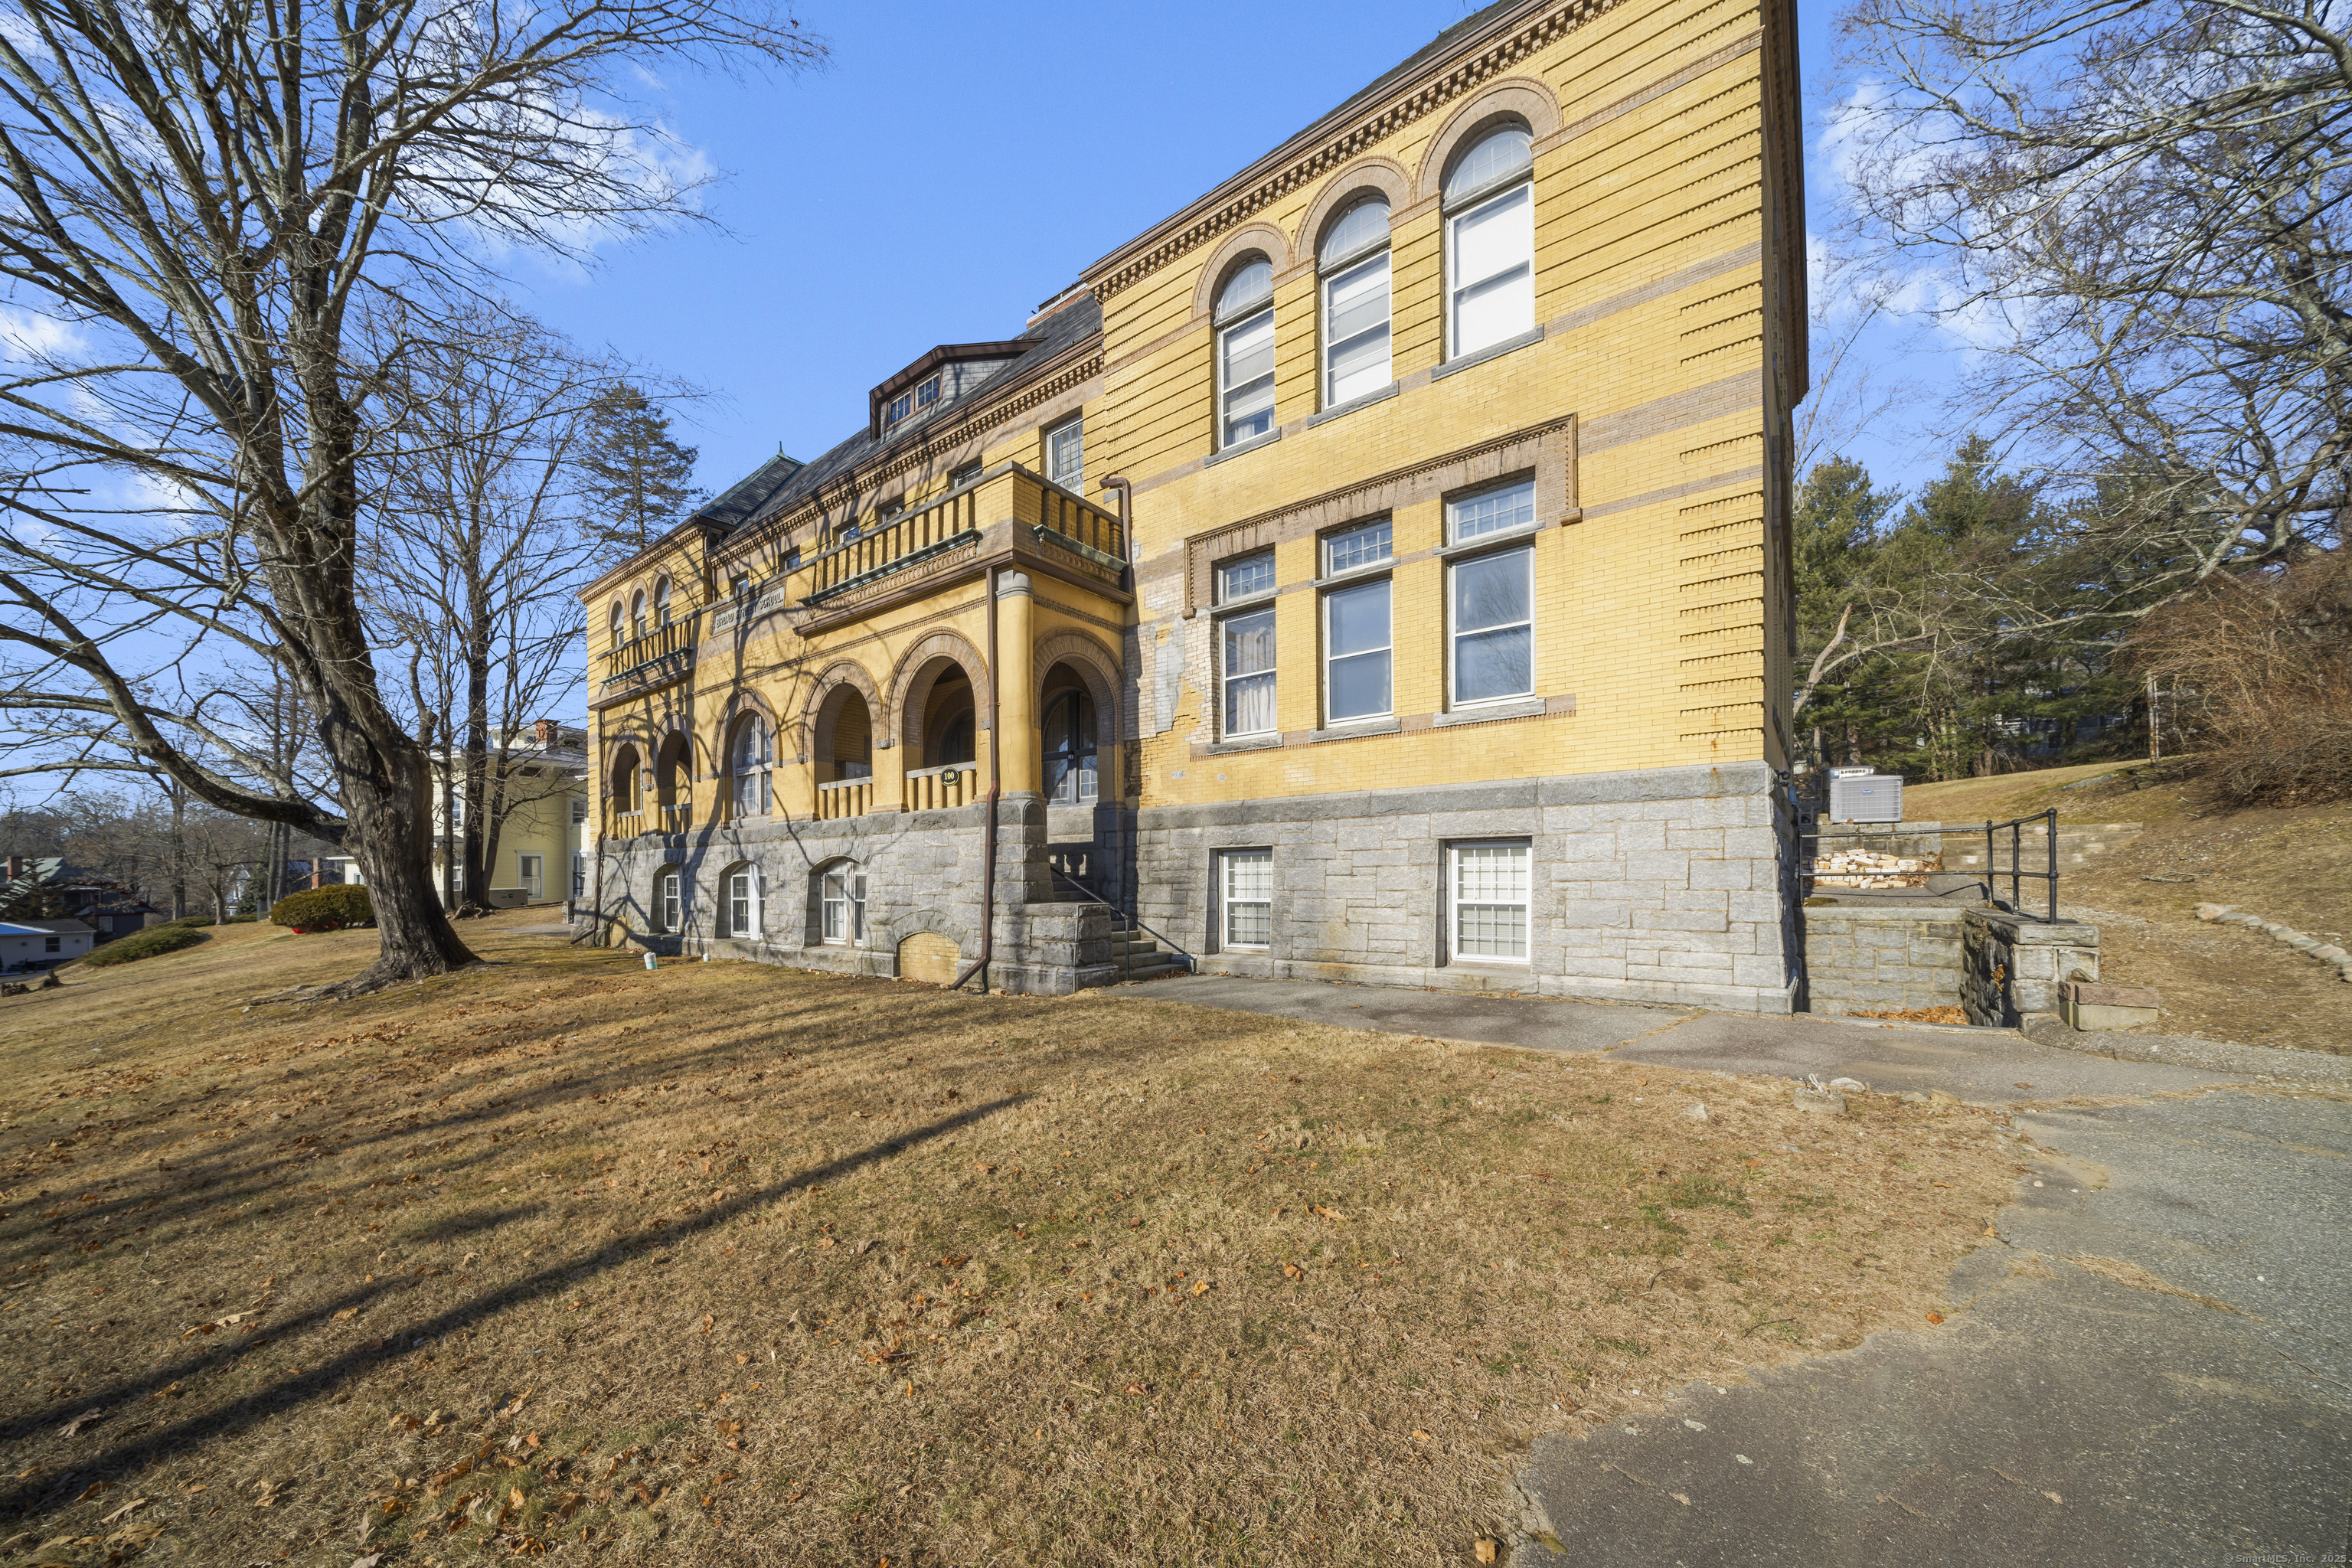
[(1486, 1549), (709, 1322), (74, 1425), (1292, 1271), (1935, 1317)]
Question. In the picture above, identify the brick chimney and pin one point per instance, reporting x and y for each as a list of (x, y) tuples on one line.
[(544, 732)]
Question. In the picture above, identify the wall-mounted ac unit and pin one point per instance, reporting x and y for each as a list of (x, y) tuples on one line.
[(1859, 794)]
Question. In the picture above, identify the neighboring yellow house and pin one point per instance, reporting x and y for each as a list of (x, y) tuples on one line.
[(538, 858), (1378, 570)]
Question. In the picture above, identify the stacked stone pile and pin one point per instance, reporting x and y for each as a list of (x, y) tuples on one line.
[(1869, 868)]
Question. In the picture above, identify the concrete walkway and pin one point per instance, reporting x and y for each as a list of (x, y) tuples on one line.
[(2153, 1366)]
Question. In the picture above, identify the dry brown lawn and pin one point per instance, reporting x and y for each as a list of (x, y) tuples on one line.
[(728, 1264)]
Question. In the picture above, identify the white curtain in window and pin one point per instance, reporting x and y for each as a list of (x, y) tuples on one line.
[(1249, 674)]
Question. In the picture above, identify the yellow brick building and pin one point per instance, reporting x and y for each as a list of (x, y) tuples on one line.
[(1377, 570)]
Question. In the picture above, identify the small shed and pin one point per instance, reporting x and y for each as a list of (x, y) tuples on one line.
[(29, 946)]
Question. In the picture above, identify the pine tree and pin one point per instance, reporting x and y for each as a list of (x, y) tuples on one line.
[(636, 475)]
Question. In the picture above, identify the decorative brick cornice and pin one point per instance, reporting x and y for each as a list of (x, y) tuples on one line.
[(1465, 74)]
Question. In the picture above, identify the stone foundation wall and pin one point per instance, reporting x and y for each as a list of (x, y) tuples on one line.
[(923, 874), (1874, 959), (1663, 886), (2014, 964)]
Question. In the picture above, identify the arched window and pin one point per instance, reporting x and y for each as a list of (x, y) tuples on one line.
[(841, 904), (1069, 747), (627, 788), (1245, 353), (661, 603), (669, 901), (754, 794), (1353, 263), (638, 614), (1490, 242), (619, 618)]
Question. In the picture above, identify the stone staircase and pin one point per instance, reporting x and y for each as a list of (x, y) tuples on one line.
[(1137, 955)]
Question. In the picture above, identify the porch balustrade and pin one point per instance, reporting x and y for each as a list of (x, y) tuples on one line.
[(844, 797), (934, 789)]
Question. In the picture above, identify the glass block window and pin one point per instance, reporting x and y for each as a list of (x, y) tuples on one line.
[(1248, 897), (1489, 889), (1492, 511), (1493, 629), (1248, 673), (1252, 574), (1357, 547)]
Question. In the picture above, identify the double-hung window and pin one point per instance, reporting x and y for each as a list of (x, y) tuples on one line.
[(1490, 242), (1066, 455), (842, 905), (1248, 897), (1246, 354), (669, 901), (1491, 599), (743, 903), (1247, 647), (579, 875), (1353, 265), (1486, 885), (753, 789), (1357, 642)]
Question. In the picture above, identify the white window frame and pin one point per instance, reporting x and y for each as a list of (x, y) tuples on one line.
[(579, 810), (751, 781), (742, 894), (1073, 476), (1524, 903), (1519, 189), (1454, 632), (1329, 547), (1335, 273), (530, 876), (1228, 860), (1269, 676), (1244, 319), (579, 875), (841, 906), (1386, 586), (669, 898), (1459, 506)]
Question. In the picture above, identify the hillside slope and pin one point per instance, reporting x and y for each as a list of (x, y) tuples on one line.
[(2224, 983)]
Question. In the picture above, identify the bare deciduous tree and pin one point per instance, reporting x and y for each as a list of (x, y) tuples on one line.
[(200, 199), (2136, 212), (483, 541)]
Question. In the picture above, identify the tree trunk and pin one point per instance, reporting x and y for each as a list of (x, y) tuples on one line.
[(390, 836)]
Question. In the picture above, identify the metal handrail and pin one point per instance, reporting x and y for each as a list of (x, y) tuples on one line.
[(2049, 820), (1115, 907)]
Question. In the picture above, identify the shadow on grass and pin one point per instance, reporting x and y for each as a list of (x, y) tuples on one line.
[(21, 1500)]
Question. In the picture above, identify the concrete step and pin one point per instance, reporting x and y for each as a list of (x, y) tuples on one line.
[(1158, 965)]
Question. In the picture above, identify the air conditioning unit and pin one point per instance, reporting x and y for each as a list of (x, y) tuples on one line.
[(1860, 795)]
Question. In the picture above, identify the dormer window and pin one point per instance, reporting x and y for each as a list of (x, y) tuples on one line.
[(900, 406), (928, 394)]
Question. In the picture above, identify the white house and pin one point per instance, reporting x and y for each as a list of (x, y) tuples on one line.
[(41, 944)]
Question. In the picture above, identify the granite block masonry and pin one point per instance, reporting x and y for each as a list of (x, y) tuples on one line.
[(1666, 886)]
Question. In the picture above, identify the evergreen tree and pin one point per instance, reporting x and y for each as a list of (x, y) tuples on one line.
[(636, 475)]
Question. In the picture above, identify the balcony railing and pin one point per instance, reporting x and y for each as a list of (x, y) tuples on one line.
[(844, 797), (628, 824), (672, 642), (677, 816), (934, 789), (1043, 515)]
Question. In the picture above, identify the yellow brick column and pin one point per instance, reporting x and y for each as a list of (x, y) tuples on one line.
[(1016, 685)]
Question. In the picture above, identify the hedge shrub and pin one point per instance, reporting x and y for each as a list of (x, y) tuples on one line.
[(145, 943), (324, 909)]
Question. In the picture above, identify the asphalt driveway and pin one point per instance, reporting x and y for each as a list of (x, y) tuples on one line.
[(2152, 1366)]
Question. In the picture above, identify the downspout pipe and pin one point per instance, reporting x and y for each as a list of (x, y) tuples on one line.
[(996, 785)]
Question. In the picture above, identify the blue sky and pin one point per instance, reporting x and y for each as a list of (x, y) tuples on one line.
[(951, 167)]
